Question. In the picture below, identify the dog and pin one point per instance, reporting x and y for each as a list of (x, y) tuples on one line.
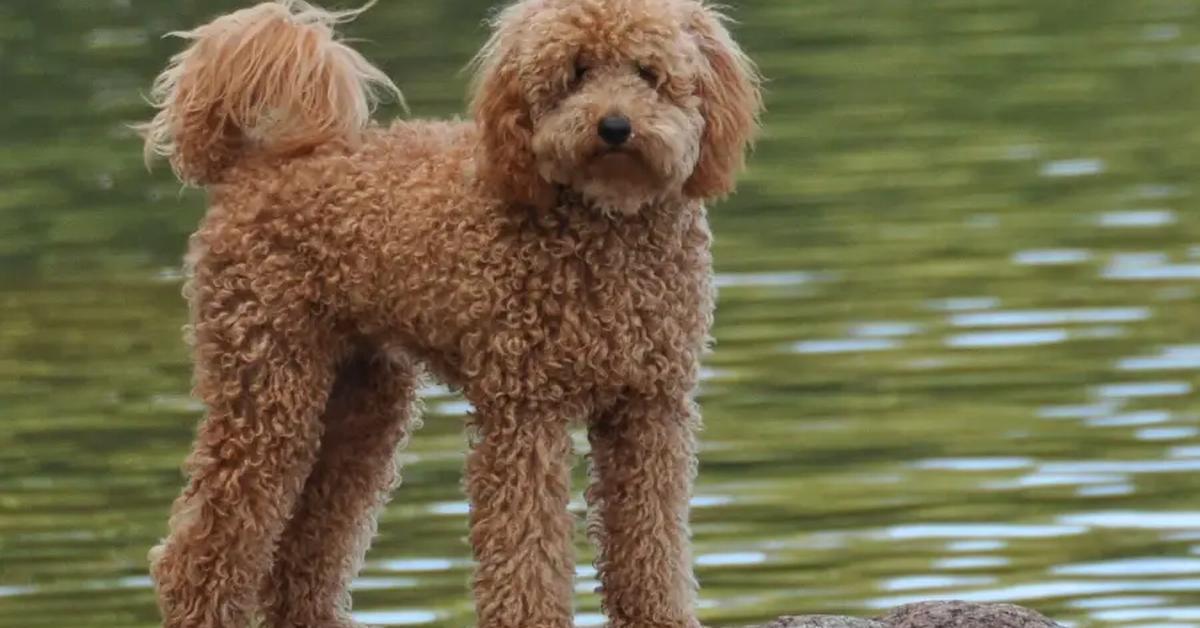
[(549, 257)]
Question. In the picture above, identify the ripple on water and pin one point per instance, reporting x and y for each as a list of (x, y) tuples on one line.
[(453, 408), (1135, 520), (1023, 318), (845, 345), (450, 508), (1161, 32), (1122, 466), (1128, 419), (1144, 566), (708, 374), (177, 403), (1073, 168), (1176, 613), (730, 559), (1140, 259), (933, 581), (103, 38), (962, 304), (405, 617), (975, 464), (970, 562), (1082, 411), (1167, 433), (1149, 268), (1126, 390), (1184, 451), (1041, 478), (1118, 601), (988, 531), (886, 329), (766, 280), (585, 571), (1180, 357), (15, 591), (982, 545), (710, 501), (1020, 338), (589, 619), (373, 583), (1138, 218), (1106, 490), (462, 508), (420, 564), (1051, 257)]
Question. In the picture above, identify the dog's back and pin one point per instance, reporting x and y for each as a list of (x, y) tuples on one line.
[(382, 235)]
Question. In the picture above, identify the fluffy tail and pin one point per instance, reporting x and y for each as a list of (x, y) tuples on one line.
[(272, 79)]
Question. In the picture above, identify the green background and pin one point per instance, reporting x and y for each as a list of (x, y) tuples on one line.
[(958, 332)]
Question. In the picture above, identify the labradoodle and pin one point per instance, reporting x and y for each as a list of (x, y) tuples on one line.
[(549, 257)]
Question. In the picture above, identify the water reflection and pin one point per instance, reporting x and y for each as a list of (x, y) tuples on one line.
[(1014, 338), (406, 617), (1181, 358), (1138, 218), (1073, 168), (1051, 257), (956, 347)]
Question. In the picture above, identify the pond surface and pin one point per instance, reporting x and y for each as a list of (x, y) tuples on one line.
[(958, 331)]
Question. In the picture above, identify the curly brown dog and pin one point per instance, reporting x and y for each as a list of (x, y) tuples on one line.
[(550, 258)]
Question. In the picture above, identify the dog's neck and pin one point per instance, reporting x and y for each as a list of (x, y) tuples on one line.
[(575, 203), (573, 217)]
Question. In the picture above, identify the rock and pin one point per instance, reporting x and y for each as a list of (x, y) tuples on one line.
[(965, 615), (930, 615), (823, 621)]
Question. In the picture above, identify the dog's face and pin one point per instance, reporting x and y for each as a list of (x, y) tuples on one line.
[(623, 102)]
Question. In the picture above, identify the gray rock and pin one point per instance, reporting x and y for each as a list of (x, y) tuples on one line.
[(965, 615), (929, 615), (823, 621)]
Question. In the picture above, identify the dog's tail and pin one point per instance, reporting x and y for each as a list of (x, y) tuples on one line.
[(272, 79)]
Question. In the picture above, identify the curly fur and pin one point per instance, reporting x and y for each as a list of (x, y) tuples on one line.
[(272, 78), (514, 256)]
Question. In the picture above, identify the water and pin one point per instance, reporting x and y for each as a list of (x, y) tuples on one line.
[(958, 343)]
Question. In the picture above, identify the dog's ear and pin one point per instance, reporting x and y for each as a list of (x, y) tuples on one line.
[(504, 159), (731, 101)]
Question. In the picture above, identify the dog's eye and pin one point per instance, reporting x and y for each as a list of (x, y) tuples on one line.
[(648, 74)]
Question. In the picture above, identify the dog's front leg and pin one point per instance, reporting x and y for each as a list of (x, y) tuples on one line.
[(643, 462), (518, 479)]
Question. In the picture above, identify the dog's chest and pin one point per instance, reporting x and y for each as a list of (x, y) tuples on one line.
[(617, 308)]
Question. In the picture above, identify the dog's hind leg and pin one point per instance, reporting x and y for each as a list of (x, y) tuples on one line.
[(369, 416), (643, 462), (264, 372)]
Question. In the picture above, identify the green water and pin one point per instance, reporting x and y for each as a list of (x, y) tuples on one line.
[(958, 342)]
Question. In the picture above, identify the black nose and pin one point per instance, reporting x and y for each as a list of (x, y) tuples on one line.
[(615, 129)]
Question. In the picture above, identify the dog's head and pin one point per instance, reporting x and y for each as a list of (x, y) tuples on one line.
[(623, 102)]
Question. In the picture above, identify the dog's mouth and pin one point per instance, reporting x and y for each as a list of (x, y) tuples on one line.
[(606, 151), (621, 171), (617, 180), (618, 159), (618, 156)]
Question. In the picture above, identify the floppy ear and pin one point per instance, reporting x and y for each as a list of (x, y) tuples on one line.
[(731, 100), (504, 159)]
